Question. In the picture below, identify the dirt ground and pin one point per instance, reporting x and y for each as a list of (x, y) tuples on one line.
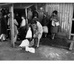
[(49, 50)]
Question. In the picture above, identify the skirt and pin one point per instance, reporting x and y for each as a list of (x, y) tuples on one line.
[(54, 29)]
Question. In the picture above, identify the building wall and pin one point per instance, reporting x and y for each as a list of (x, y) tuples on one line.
[(65, 13)]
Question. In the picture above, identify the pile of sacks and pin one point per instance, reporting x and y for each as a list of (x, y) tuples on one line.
[(26, 44)]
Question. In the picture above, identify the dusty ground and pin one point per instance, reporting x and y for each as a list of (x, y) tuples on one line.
[(49, 50)]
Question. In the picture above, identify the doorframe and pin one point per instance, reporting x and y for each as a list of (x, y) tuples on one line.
[(72, 19)]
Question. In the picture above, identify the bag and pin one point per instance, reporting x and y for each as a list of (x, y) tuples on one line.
[(29, 33), (57, 24), (24, 43), (53, 23), (45, 29), (30, 49), (2, 37)]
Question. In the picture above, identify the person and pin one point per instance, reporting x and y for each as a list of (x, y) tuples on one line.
[(45, 25), (18, 19), (40, 32), (15, 30), (8, 26), (22, 30), (26, 43), (54, 23), (30, 14), (35, 13), (37, 32), (3, 28), (35, 18), (23, 23)]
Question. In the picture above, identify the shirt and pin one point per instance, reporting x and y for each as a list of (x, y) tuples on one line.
[(23, 23)]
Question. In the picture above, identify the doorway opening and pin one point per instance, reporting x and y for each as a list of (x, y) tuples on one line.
[(18, 13), (72, 28)]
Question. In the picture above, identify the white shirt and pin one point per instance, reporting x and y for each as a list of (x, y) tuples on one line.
[(23, 23), (55, 23)]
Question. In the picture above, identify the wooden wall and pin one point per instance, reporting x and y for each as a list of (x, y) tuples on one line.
[(65, 13)]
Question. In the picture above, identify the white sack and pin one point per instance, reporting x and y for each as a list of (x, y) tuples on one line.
[(57, 24), (45, 29), (29, 33), (24, 43), (30, 49)]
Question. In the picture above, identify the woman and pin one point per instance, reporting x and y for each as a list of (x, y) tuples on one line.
[(54, 23), (37, 32), (45, 25), (15, 30), (22, 30)]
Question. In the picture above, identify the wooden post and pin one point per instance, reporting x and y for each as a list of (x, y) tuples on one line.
[(0, 20), (12, 25), (26, 15), (36, 6), (72, 43)]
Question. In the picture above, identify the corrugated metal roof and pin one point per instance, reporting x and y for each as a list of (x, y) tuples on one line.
[(22, 5), (17, 5), (5, 5), (1, 4)]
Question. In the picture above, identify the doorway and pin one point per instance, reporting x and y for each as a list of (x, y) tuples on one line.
[(18, 13), (72, 28)]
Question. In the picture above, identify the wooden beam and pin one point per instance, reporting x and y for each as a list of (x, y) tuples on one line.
[(12, 25), (20, 5)]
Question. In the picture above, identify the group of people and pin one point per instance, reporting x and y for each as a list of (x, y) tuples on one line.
[(37, 28), (33, 30)]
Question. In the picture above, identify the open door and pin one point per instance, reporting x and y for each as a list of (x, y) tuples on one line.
[(71, 31), (72, 28), (0, 20)]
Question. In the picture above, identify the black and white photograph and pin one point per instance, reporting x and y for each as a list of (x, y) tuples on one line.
[(36, 31), (36, 37)]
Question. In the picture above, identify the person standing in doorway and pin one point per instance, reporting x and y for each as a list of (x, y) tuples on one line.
[(22, 30)]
